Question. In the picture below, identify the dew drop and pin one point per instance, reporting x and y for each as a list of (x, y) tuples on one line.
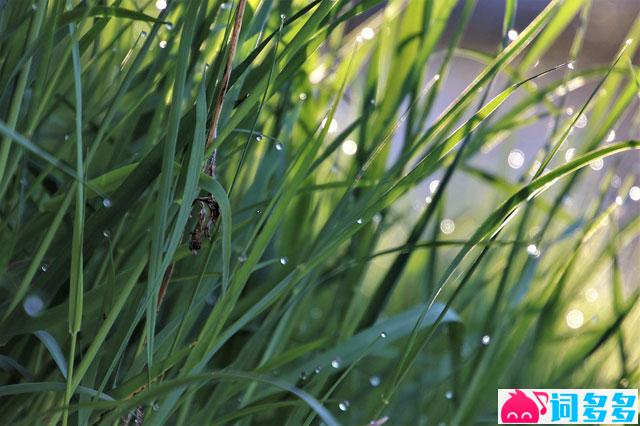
[(582, 121), (611, 136), (283, 16), (367, 33), (515, 159), (106, 202), (169, 26), (512, 34), (343, 405), (359, 221), (258, 138), (597, 164), (317, 74), (143, 34), (383, 335), (303, 375), (447, 226), (374, 381), (379, 422), (591, 294), (225, 6), (569, 111), (284, 260), (571, 65), (242, 258), (333, 126), (486, 339), (533, 250), (616, 181), (302, 96), (317, 370), (155, 407), (433, 185), (634, 193), (619, 200), (448, 394), (575, 318), (569, 154), (106, 234), (163, 44), (428, 199), (44, 267), (33, 305), (161, 4), (349, 147), (335, 363), (279, 146), (628, 41)]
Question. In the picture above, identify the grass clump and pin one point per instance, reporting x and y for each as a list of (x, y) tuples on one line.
[(208, 213)]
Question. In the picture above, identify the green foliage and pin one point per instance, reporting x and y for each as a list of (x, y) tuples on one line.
[(294, 282)]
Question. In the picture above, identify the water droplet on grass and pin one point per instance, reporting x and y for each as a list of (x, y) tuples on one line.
[(106, 202), (575, 318), (486, 339), (532, 249), (512, 34), (367, 33), (569, 154), (343, 405), (634, 193), (447, 226), (335, 363), (433, 185), (349, 147), (44, 267), (33, 305), (284, 260), (383, 335), (515, 159), (597, 164), (360, 221), (582, 121), (374, 381), (448, 395), (163, 44), (279, 146)]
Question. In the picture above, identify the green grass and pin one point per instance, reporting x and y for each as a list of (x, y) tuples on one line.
[(325, 293)]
